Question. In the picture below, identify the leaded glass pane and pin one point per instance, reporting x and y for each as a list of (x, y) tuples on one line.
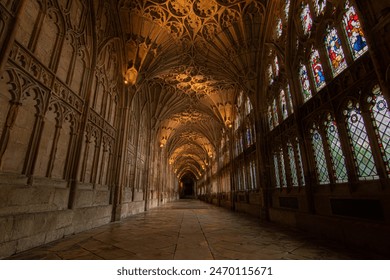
[(270, 119), (279, 28), (354, 31), (270, 73), (317, 70), (305, 83), (277, 174), (319, 6), (290, 99), (287, 8), (335, 51), (276, 65), (275, 112), (300, 166), (283, 169), (294, 177), (360, 145), (283, 104), (381, 115), (306, 19), (319, 155), (337, 156)]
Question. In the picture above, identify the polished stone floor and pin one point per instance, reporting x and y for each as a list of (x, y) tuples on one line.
[(190, 229)]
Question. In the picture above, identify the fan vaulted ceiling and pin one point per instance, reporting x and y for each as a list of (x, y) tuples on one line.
[(192, 57)]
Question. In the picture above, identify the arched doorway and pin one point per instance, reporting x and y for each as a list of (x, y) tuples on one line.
[(187, 187)]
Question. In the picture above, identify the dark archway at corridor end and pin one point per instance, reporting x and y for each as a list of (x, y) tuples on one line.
[(187, 186)]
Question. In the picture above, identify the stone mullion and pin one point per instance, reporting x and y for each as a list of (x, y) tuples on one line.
[(103, 166), (36, 31), (71, 155), (71, 66), (297, 163), (96, 159), (85, 159), (53, 150), (32, 154), (345, 44), (328, 158), (135, 161)]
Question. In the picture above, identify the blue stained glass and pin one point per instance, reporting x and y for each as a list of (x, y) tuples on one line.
[(354, 32), (335, 51), (317, 70)]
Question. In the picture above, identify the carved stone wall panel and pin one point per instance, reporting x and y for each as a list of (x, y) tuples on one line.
[(21, 131), (62, 151), (46, 142), (28, 22), (66, 56)]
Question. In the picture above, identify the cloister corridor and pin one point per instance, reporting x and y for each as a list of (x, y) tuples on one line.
[(190, 229)]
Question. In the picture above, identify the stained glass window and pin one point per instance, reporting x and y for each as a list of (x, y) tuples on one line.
[(354, 31), (336, 152), (283, 104), (270, 119), (270, 74), (275, 112), (319, 6), (300, 165), (279, 28), (248, 106), (360, 144), (381, 116), (290, 99), (287, 8), (282, 168), (306, 19), (335, 51), (319, 155), (294, 177), (276, 65), (305, 83), (277, 174), (317, 70)]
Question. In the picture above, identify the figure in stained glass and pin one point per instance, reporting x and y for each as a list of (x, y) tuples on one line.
[(354, 31), (305, 83), (306, 19), (318, 71), (335, 51)]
